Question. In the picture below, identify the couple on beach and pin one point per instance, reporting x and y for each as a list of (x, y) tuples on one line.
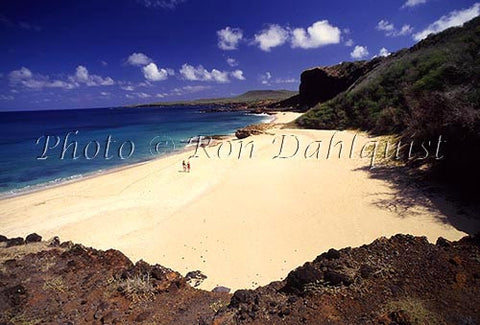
[(186, 166)]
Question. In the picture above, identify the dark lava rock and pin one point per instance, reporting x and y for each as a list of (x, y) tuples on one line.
[(15, 295), (303, 275), (142, 316), (336, 278), (324, 83), (33, 238), (366, 271), (195, 278), (332, 254), (3, 239), (442, 242), (221, 289), (243, 297), (55, 242), (15, 241)]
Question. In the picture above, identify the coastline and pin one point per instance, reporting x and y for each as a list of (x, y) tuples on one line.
[(81, 177), (221, 218)]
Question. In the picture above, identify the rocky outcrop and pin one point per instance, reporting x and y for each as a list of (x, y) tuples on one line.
[(401, 280), (323, 83), (254, 129)]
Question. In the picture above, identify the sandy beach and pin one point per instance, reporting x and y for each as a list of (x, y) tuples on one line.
[(242, 222)]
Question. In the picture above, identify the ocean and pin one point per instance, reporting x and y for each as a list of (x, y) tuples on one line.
[(44, 148)]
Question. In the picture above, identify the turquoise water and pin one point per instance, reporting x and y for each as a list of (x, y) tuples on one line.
[(28, 161)]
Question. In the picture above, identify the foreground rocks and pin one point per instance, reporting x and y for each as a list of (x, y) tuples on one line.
[(402, 280)]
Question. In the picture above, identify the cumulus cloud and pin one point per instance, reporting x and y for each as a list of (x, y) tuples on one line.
[(454, 18), (238, 74), (152, 73), (413, 3), (390, 30), (26, 78), (228, 38), (83, 76), (232, 62), (272, 36), (143, 95), (138, 59), (265, 78), (359, 52), (349, 43), (199, 73), (384, 52), (127, 88), (321, 33), (165, 4)]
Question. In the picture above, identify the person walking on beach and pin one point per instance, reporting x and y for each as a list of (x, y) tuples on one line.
[(184, 165), (188, 166)]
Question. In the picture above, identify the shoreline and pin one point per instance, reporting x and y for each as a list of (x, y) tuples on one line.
[(29, 189)]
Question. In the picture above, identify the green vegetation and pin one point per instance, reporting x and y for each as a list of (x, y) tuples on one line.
[(249, 97), (428, 90)]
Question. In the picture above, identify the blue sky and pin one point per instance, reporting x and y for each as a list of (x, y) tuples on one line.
[(102, 53)]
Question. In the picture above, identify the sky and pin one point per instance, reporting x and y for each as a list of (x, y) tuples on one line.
[(63, 54)]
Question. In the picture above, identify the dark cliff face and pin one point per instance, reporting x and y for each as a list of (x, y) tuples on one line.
[(324, 83), (320, 84)]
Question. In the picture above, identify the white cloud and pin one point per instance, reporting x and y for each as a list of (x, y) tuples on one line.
[(165, 4), (391, 30), (232, 62), (104, 63), (228, 38), (83, 76), (349, 43), (321, 33), (238, 74), (104, 93), (270, 37), (22, 74), (6, 97), (384, 52), (199, 73), (413, 3), (143, 95), (27, 79), (195, 89), (265, 78), (384, 25), (220, 76), (359, 52), (152, 73), (454, 18), (128, 88), (138, 59)]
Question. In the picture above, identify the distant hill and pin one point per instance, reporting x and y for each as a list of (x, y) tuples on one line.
[(429, 90), (249, 97)]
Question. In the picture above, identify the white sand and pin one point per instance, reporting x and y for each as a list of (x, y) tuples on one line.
[(243, 222)]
